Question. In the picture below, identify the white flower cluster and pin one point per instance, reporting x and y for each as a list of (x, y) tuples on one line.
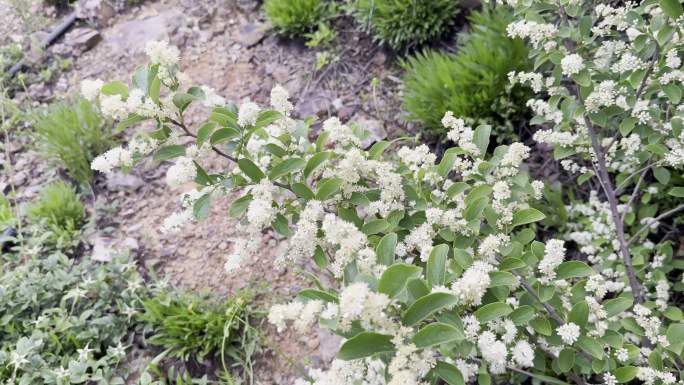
[(460, 133)]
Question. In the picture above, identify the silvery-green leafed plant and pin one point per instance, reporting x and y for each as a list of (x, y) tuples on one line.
[(438, 273)]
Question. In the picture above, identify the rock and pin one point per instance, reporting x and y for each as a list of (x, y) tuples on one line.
[(82, 39), (314, 104), (375, 128), (130, 37), (120, 181), (102, 249), (250, 34), (98, 12)]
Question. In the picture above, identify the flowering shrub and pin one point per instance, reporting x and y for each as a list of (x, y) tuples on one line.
[(437, 270)]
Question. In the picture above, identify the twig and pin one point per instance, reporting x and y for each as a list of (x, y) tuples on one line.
[(635, 193), (654, 220)]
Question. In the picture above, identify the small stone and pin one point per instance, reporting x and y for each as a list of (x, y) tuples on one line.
[(102, 249), (223, 245), (82, 39), (120, 181), (250, 34)]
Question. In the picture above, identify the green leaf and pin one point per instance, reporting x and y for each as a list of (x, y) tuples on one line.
[(328, 188), (315, 161), (617, 305), (201, 207), (481, 138), (115, 87), (205, 132), (572, 269), (286, 167), (316, 294), (579, 314), (501, 278), (281, 225), (677, 192), (675, 335), (267, 117), (511, 264), (426, 305), (475, 208), (591, 346), (625, 374), (547, 379), (435, 334), (183, 100), (386, 248), (525, 216), (169, 152), (303, 191), (223, 135), (672, 8), (522, 314), (673, 313), (436, 266), (566, 360), (374, 226), (673, 92), (239, 206), (365, 344), (377, 149), (449, 373), (662, 175), (394, 279), (492, 311), (250, 169), (542, 325)]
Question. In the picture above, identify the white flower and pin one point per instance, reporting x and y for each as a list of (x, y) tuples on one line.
[(90, 89), (160, 52), (609, 379), (569, 333), (538, 187), (517, 152), (554, 254), (113, 106), (493, 351), (572, 64), (472, 285), (211, 98), (672, 60), (182, 171), (115, 157), (175, 222), (279, 100), (248, 114), (523, 354)]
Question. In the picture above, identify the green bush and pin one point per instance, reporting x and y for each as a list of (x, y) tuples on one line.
[(294, 18), (406, 23), (473, 83), (195, 327), (71, 135), (66, 322), (58, 214)]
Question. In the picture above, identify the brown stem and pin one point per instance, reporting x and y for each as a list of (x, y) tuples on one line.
[(653, 220)]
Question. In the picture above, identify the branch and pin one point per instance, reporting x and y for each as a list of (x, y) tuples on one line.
[(635, 192), (654, 220), (623, 184)]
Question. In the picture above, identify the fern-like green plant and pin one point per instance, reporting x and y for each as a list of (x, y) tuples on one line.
[(294, 18), (406, 23), (71, 135), (58, 214), (473, 83)]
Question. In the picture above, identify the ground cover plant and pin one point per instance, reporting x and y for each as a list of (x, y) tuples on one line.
[(472, 83), (58, 215), (294, 18), (405, 24)]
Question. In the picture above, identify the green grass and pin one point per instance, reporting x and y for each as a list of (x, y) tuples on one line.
[(58, 214), (473, 83), (406, 23), (71, 135), (194, 327), (294, 18)]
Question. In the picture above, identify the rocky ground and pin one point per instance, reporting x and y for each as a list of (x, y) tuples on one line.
[(227, 45)]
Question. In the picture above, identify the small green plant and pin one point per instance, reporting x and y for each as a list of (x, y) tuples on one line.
[(294, 18), (406, 23), (196, 327), (473, 83), (58, 214), (6, 215), (66, 322), (70, 135)]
